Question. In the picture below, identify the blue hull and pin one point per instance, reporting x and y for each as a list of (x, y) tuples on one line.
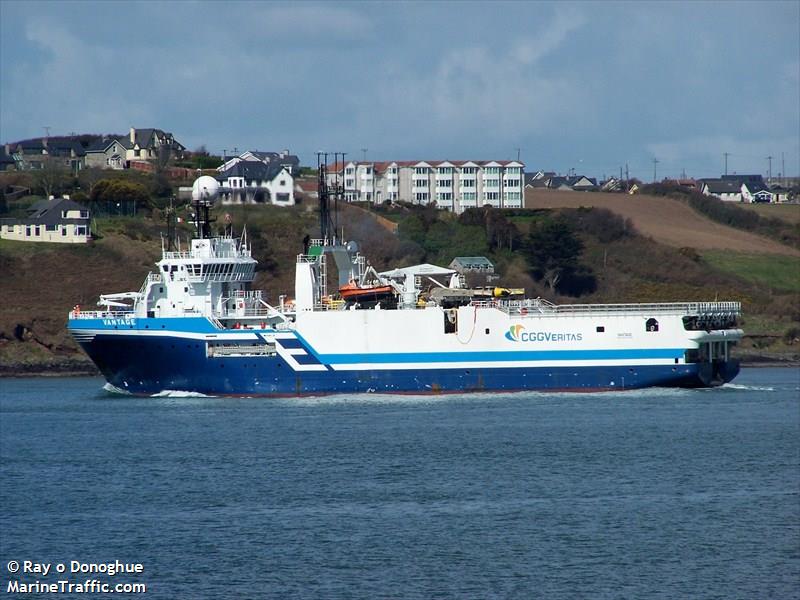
[(143, 365)]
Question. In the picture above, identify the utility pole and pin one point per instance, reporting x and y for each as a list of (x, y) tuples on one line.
[(783, 170), (627, 175), (726, 155), (655, 162), (518, 151), (46, 132), (769, 158)]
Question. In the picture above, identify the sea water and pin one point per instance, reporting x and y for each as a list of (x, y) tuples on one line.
[(652, 494)]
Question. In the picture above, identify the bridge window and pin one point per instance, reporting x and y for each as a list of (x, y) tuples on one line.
[(600, 329), (651, 325)]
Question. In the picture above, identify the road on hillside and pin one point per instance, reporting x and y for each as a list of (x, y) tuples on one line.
[(667, 221)]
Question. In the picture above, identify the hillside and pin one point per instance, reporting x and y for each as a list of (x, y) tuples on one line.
[(668, 221), (42, 282)]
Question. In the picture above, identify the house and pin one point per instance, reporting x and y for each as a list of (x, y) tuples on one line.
[(106, 153), (37, 153), (474, 270), (453, 185), (724, 189), (538, 179), (149, 145), (558, 183), (58, 220), (756, 191), (472, 264), (306, 188), (612, 185), (254, 182), (290, 161), (779, 192), (580, 183)]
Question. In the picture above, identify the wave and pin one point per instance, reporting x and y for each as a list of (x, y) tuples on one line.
[(179, 394), (748, 388), (112, 389)]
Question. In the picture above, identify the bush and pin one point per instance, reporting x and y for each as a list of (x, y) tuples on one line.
[(117, 190)]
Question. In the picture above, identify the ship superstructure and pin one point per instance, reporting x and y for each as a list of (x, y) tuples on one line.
[(196, 326)]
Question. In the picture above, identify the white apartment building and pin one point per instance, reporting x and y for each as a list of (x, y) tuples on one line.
[(453, 185)]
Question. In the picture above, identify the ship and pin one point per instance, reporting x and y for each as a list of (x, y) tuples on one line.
[(197, 326)]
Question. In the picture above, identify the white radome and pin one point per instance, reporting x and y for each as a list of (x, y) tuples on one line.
[(205, 188)]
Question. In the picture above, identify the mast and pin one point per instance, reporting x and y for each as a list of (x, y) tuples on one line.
[(328, 220)]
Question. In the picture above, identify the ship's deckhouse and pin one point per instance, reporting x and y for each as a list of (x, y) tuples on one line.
[(211, 279)]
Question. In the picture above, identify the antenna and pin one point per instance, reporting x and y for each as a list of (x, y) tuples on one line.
[(364, 154), (655, 162), (726, 155), (46, 131), (769, 158)]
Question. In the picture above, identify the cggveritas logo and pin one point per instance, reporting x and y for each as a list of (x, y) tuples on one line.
[(517, 333)]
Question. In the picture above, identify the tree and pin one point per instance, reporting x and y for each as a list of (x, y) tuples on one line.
[(553, 251), (51, 176)]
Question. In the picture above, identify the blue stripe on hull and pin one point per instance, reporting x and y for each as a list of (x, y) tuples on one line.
[(144, 365)]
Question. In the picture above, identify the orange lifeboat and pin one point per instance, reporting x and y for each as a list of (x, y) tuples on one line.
[(351, 291)]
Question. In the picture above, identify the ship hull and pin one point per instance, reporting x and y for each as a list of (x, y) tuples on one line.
[(149, 365)]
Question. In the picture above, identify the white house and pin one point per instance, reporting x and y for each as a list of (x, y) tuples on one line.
[(730, 191), (254, 182), (56, 220)]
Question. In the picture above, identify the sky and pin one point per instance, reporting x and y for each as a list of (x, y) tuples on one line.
[(589, 86)]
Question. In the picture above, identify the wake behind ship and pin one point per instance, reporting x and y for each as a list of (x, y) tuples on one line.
[(195, 325)]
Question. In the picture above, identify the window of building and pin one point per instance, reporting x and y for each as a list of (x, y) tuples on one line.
[(37, 231), (80, 230), (512, 182), (467, 183), (447, 196), (491, 170), (27, 231), (492, 195), (492, 183), (421, 196), (420, 183), (50, 227), (651, 325), (420, 170), (469, 196), (63, 231), (445, 170), (445, 183), (469, 170)]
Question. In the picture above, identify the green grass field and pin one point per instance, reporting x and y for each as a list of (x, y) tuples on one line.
[(769, 270)]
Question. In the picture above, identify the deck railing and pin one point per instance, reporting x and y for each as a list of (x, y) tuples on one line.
[(543, 307)]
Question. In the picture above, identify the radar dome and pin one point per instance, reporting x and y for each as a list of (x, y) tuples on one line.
[(205, 189)]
